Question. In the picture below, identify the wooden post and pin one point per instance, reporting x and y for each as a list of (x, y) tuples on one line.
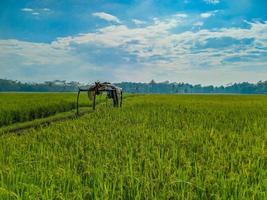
[(117, 98), (77, 104), (121, 99), (94, 97), (114, 97)]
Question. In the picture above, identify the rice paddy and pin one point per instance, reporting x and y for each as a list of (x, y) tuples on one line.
[(21, 107), (155, 147)]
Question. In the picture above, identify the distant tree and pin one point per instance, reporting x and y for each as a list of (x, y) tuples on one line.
[(152, 82), (130, 87)]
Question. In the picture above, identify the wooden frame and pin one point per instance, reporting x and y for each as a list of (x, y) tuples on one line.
[(113, 92)]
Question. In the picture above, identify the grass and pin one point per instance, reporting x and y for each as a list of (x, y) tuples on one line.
[(156, 147), (21, 107), (37, 123)]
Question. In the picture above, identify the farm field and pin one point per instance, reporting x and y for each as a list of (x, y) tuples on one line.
[(21, 107), (155, 147)]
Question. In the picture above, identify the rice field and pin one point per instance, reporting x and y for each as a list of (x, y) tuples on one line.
[(21, 107), (155, 147)]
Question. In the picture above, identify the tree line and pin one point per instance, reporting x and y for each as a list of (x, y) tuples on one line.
[(132, 87)]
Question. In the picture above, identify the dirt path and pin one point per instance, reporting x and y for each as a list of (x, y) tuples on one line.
[(17, 128)]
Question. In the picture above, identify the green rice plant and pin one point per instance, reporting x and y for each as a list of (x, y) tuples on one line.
[(155, 147), (21, 107)]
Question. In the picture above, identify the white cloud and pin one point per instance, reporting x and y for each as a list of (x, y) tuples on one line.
[(181, 15), (27, 9), (30, 61), (107, 17), (207, 14), (31, 52), (199, 23), (212, 1), (116, 35), (36, 11), (149, 51), (138, 22), (155, 47)]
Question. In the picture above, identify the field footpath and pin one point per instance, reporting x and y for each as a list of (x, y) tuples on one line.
[(16, 128)]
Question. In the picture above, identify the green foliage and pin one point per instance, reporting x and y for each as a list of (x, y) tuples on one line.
[(155, 147), (181, 88), (131, 87), (20, 107)]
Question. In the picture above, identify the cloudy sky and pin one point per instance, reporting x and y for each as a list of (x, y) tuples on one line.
[(196, 41)]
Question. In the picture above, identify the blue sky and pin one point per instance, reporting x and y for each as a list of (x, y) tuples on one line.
[(196, 41)]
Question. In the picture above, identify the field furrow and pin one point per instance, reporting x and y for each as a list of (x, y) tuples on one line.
[(22, 107)]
